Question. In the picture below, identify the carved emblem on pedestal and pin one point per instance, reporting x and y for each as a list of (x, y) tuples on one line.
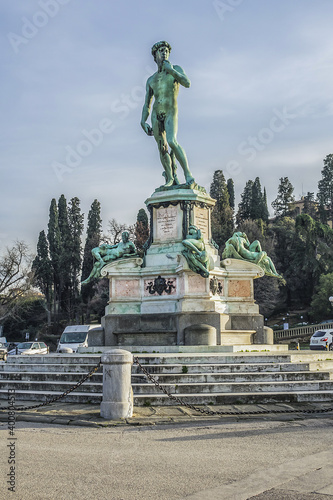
[(160, 285), (215, 286)]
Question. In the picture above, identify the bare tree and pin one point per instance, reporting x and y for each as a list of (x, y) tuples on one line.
[(15, 278), (115, 229)]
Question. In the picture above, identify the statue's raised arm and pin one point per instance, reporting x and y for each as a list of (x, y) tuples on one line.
[(178, 73)]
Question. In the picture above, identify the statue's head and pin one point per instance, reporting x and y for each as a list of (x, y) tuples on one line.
[(125, 236), (159, 45), (194, 232)]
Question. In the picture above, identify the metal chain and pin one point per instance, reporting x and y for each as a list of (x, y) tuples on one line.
[(56, 398), (211, 412)]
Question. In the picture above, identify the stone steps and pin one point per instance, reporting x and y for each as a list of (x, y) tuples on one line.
[(222, 368), (60, 386), (226, 387), (55, 359), (47, 367), (228, 378), (31, 395), (194, 399), (168, 378), (236, 398), (212, 358), (217, 378), (35, 376)]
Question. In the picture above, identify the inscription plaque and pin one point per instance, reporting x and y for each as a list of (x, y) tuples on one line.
[(201, 220), (166, 223)]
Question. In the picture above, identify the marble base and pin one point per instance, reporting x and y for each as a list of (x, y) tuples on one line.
[(152, 300)]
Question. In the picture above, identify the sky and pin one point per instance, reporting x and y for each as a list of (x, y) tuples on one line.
[(73, 76)]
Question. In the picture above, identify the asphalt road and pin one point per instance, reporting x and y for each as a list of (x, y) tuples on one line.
[(289, 460)]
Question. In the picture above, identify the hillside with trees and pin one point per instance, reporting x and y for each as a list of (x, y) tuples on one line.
[(43, 293), (300, 244)]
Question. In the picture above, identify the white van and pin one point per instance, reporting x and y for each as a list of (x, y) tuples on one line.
[(321, 339), (75, 336)]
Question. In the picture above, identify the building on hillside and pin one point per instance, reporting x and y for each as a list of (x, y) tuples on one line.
[(297, 208)]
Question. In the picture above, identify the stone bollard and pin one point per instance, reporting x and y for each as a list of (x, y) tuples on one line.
[(117, 390), (200, 334)]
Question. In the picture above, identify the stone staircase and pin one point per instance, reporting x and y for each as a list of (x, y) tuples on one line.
[(40, 378), (197, 378)]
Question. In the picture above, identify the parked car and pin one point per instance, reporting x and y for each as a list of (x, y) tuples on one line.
[(322, 339), (28, 348), (326, 321), (3, 350), (76, 336)]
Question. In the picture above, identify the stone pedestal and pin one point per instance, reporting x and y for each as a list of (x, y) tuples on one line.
[(153, 300)]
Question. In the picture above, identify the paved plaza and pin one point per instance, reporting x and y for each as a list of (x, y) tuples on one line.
[(67, 451)]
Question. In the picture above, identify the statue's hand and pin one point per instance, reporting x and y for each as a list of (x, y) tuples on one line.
[(147, 128), (167, 66)]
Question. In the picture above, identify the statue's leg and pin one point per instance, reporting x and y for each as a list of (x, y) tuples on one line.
[(174, 167), (171, 127), (160, 138), (94, 273), (255, 246), (271, 265)]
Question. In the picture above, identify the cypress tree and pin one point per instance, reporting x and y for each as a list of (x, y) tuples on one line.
[(283, 202), (325, 189), (141, 229), (253, 204), (94, 229), (75, 221), (54, 239), (309, 205), (43, 271), (257, 200), (222, 214), (265, 212), (231, 191), (65, 256), (245, 205)]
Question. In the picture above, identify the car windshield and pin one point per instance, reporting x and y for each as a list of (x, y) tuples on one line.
[(73, 338), (25, 345)]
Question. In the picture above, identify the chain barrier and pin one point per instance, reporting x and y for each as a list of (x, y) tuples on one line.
[(56, 398), (211, 412)]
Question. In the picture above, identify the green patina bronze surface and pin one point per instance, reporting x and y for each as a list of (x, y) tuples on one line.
[(239, 247), (107, 253), (195, 253), (163, 86)]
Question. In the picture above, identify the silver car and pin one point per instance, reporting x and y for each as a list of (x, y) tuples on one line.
[(28, 348), (322, 340)]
